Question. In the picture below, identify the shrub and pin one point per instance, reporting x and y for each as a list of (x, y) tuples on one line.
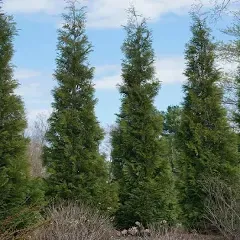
[(70, 221), (223, 207)]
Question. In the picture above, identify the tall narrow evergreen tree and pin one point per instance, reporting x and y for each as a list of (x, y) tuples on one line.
[(144, 177), (76, 169), (207, 144), (16, 192)]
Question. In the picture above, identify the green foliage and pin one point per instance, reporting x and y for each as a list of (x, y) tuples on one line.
[(146, 186), (172, 120), (16, 190), (76, 169), (207, 144)]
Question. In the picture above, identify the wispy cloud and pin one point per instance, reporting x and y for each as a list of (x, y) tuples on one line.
[(32, 82), (109, 82), (104, 13), (35, 89), (107, 76), (34, 6), (30, 90), (170, 69), (26, 74), (29, 84), (107, 69)]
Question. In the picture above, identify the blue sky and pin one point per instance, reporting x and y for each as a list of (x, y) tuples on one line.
[(38, 20)]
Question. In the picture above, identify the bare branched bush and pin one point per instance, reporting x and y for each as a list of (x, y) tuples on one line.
[(223, 207), (37, 141), (70, 221)]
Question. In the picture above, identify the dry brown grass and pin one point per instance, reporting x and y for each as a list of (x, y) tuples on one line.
[(174, 234), (177, 237)]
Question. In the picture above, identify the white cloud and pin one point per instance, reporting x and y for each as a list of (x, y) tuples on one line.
[(170, 69), (107, 76), (109, 82), (34, 6), (104, 13), (29, 90), (108, 68), (22, 74)]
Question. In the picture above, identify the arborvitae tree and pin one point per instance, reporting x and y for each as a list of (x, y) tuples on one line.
[(145, 180), (76, 169), (208, 146), (17, 193)]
